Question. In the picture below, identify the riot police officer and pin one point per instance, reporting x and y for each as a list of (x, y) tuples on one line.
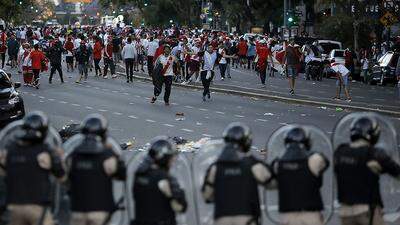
[(157, 194), (92, 163), (299, 174), (28, 160), (358, 166), (231, 183)]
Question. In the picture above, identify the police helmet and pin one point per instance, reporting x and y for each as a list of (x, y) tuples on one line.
[(298, 135), (238, 133), (35, 126), (366, 128), (161, 150), (94, 124)]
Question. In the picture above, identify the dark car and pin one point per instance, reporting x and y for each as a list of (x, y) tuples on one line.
[(384, 71), (11, 103)]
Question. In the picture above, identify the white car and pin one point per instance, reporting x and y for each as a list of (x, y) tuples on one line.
[(338, 55)]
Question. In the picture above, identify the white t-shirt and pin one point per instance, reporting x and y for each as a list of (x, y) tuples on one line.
[(152, 48), (164, 60), (23, 34), (77, 43), (340, 68), (221, 51)]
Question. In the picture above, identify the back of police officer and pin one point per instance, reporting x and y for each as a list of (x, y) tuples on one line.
[(92, 166), (231, 183), (157, 194), (28, 163), (358, 166), (299, 178)]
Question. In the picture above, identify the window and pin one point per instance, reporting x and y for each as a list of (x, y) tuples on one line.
[(5, 81)]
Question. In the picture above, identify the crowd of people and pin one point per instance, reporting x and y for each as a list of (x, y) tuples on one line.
[(89, 161), (30, 49)]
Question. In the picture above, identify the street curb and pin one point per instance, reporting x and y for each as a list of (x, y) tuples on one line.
[(278, 98)]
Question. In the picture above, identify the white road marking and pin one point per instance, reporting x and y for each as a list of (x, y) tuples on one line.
[(131, 103), (34, 94), (41, 101), (132, 117), (138, 96), (284, 124), (262, 120), (51, 99), (239, 116), (379, 99), (205, 110), (96, 88), (125, 93), (218, 112), (63, 102), (103, 110), (168, 125), (207, 135), (187, 130), (117, 113), (74, 104), (41, 97), (88, 86), (188, 106), (150, 121), (174, 103), (114, 91), (88, 107)]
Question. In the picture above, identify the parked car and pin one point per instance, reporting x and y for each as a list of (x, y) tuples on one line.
[(338, 55), (384, 71), (11, 102), (327, 46)]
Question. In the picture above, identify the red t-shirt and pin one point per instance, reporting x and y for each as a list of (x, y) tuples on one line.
[(97, 50), (3, 42), (262, 52), (242, 46), (69, 46), (37, 57)]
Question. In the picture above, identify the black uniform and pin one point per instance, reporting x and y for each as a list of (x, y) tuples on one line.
[(294, 176), (357, 183), (152, 206), (24, 171), (235, 187), (91, 188)]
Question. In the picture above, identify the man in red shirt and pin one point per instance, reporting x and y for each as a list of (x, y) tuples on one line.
[(37, 58), (242, 47), (3, 47), (108, 59), (69, 58), (97, 50), (263, 53)]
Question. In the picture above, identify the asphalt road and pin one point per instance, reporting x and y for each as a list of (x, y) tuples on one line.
[(130, 114)]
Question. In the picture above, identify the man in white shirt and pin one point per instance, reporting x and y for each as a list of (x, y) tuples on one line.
[(151, 51), (128, 54), (207, 72), (342, 74), (164, 67)]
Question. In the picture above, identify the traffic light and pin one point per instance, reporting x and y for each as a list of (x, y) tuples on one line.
[(292, 19)]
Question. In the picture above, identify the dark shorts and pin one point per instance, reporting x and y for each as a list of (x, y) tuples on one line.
[(291, 71), (69, 59)]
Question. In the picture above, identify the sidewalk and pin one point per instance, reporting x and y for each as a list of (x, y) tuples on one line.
[(384, 99)]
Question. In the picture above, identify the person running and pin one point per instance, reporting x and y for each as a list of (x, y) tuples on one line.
[(342, 75), (207, 72), (38, 60), (163, 74), (263, 54)]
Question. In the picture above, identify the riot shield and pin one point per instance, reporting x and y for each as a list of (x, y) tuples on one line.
[(69, 147), (202, 160), (180, 170), (276, 149), (390, 188)]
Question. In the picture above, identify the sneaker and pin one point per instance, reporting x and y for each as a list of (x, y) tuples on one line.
[(348, 100), (114, 76), (229, 76), (105, 77), (222, 78), (153, 100), (204, 98), (336, 98), (49, 81), (127, 81), (291, 92), (77, 81), (167, 103), (208, 96)]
